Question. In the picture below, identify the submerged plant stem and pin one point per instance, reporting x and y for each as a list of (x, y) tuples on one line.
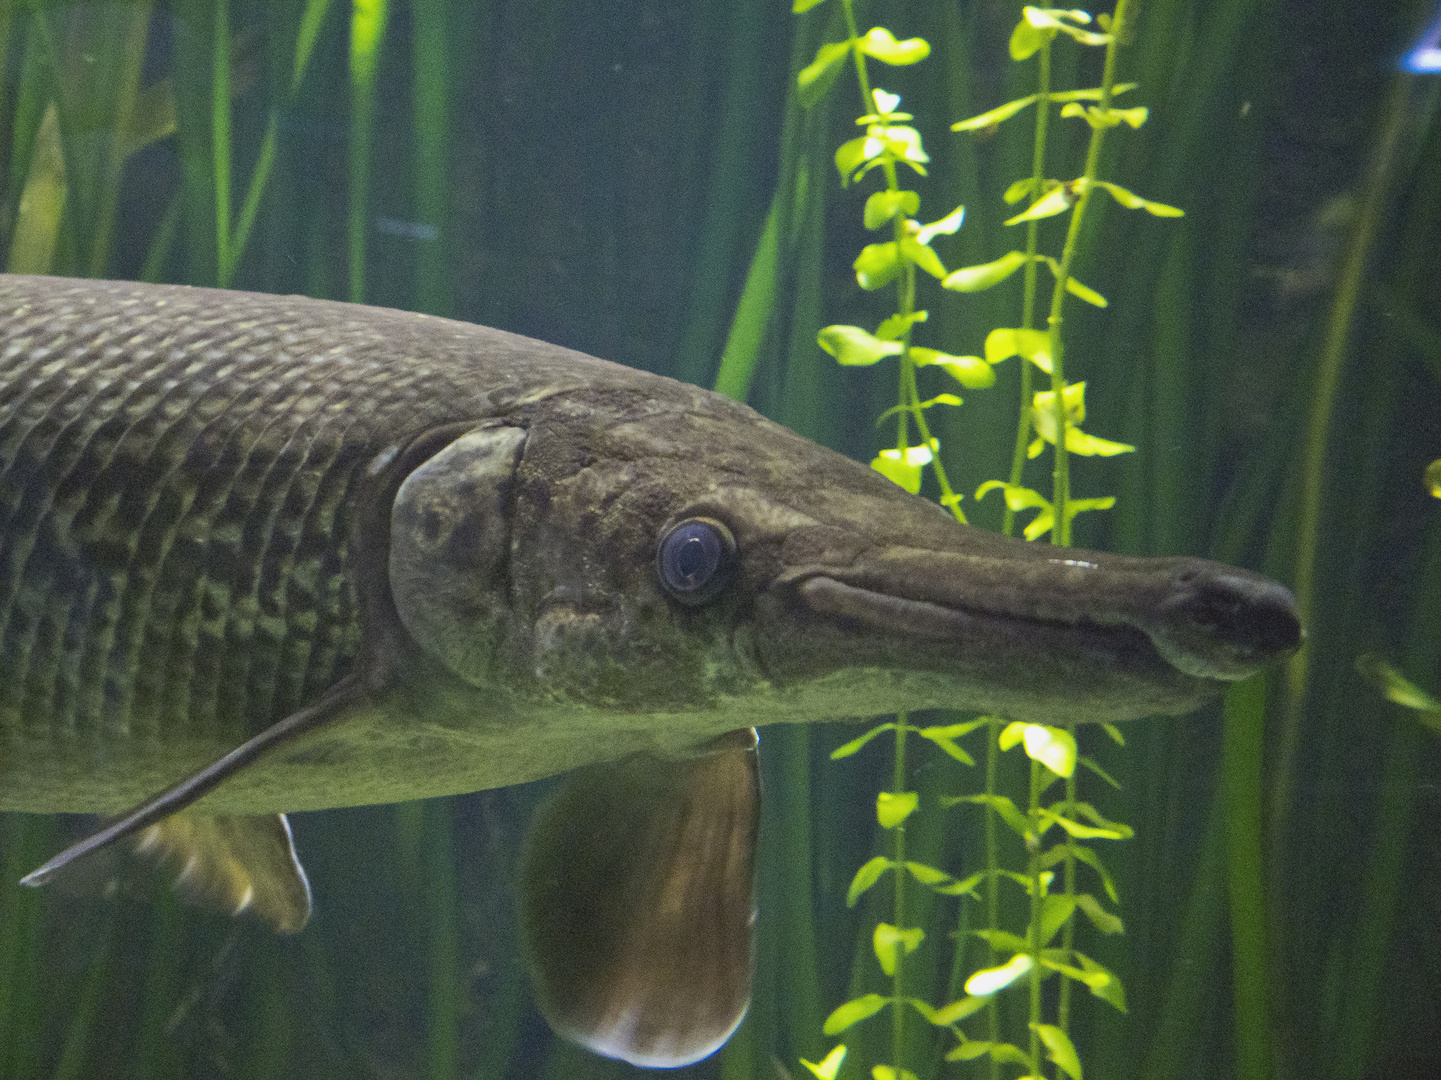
[(1061, 532), (1028, 287), (898, 852)]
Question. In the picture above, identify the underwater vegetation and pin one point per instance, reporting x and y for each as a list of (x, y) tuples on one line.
[(643, 181)]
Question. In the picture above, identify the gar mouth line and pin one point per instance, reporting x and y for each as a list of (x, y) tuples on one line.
[(933, 621)]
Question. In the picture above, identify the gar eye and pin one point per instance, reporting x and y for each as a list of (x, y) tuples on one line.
[(695, 559)]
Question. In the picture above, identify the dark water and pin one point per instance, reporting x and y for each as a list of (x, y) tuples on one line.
[(598, 175)]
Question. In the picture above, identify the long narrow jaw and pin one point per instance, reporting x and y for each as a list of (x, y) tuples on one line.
[(1034, 632)]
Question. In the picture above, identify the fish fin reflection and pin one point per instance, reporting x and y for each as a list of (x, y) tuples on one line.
[(637, 902), (171, 801), (234, 863)]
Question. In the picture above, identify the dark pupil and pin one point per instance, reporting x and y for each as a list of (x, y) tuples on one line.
[(690, 557), (691, 560)]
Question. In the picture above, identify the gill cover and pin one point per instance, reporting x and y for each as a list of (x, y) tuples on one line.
[(450, 528)]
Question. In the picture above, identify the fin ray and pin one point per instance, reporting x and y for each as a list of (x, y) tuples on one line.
[(637, 902), (234, 862), (194, 787)]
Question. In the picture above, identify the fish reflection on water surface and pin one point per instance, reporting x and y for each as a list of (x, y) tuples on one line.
[(334, 555)]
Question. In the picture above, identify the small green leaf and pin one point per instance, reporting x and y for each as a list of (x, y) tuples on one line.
[(1000, 804), (1102, 983), (1096, 978), (945, 226), (1106, 118), (890, 943), (851, 155), (1005, 1053), (877, 265), (944, 399), (1091, 814), (1090, 763), (945, 737), (882, 206), (922, 1007), (1056, 201), (1043, 418), (1086, 293), (852, 346), (867, 876), (1055, 910), (895, 327), (984, 275), (800, 6), (1028, 39), (813, 80), (885, 103), (922, 256), (1018, 498), (893, 807), (966, 886), (1432, 478), (851, 747), (882, 44), (903, 467), (1017, 191), (1053, 747), (1115, 733), (1103, 920), (828, 1066), (1083, 854), (1006, 342), (1076, 829), (1395, 686), (988, 981), (1132, 201), (927, 875), (1060, 1049), (1003, 939), (958, 1010), (853, 1012), (888, 1072), (970, 1049), (1055, 19), (953, 731), (995, 116), (970, 371)]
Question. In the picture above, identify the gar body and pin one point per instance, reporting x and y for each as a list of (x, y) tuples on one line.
[(219, 509)]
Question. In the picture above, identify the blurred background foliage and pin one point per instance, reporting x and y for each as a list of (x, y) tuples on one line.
[(633, 178)]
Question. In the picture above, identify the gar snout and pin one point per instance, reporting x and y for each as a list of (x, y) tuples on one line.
[(1198, 618)]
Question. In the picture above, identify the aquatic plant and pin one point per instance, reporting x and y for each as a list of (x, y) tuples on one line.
[(1053, 417), (683, 189)]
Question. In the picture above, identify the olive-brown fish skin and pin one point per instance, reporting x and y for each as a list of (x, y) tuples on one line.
[(198, 498)]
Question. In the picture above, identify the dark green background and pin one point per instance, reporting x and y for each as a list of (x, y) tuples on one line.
[(597, 173)]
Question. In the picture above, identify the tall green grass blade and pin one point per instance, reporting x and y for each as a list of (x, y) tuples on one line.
[(1360, 1026), (1243, 748), (443, 994), (753, 312), (42, 202), (129, 26), (431, 172), (81, 1018), (220, 140), (367, 33), (311, 21)]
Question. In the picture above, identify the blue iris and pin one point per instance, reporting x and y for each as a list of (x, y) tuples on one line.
[(695, 559)]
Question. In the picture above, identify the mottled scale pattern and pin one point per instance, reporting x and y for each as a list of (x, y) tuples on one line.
[(179, 471)]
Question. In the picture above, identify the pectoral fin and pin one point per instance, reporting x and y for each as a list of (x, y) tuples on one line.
[(636, 902), (235, 863), (177, 798)]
